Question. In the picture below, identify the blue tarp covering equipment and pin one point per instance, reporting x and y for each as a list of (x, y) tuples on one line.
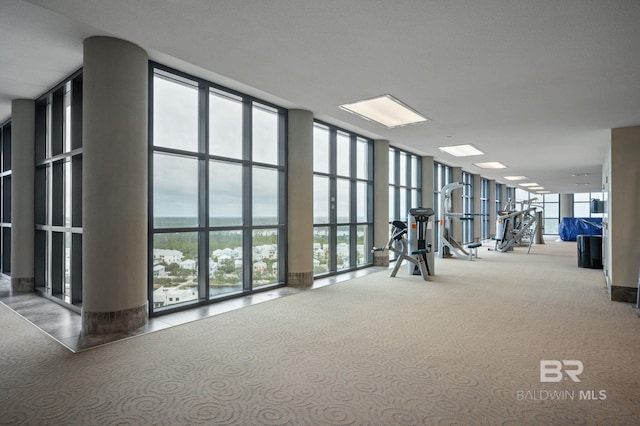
[(571, 227)]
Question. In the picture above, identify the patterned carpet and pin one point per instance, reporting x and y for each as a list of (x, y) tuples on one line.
[(464, 348)]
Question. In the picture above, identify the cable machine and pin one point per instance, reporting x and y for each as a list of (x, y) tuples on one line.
[(447, 245)]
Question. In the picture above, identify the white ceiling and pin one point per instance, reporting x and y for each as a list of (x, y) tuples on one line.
[(536, 85)]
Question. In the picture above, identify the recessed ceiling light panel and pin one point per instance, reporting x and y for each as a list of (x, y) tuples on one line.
[(516, 177), (385, 110), (529, 184), (465, 150), (490, 165)]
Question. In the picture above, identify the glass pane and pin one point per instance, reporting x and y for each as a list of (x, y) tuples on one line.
[(265, 257), (521, 194), (404, 210), (320, 149), (403, 169), (551, 197), (362, 161), (225, 262), (361, 202), (416, 198), (175, 269), (225, 125), (343, 249), (581, 209), (265, 135), (67, 193), (363, 250), (392, 203), (343, 154), (392, 167), (225, 194), (415, 172), (343, 200), (320, 199), (321, 252), (175, 114), (551, 210), (265, 196), (175, 191), (67, 121), (67, 264), (583, 196), (551, 226)]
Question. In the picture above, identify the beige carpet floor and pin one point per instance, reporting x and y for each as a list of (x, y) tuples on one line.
[(462, 349)]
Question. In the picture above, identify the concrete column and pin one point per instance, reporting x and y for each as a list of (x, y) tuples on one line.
[(566, 205), (492, 208), (428, 201), (427, 181), (456, 204), (115, 186), (380, 201), (503, 197), (300, 209), (622, 249), (477, 207), (22, 190)]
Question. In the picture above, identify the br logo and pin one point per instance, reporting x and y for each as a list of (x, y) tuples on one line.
[(551, 370)]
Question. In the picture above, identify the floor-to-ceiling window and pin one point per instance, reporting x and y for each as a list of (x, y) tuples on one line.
[(484, 208), (582, 204), (405, 176), (551, 212), (405, 184), (217, 192), (499, 201), (5, 198), (467, 207), (442, 175), (58, 187), (342, 200)]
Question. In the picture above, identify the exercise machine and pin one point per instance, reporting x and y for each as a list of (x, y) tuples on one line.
[(420, 235), (447, 244), (514, 227)]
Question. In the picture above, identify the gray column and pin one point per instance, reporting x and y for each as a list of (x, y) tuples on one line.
[(428, 185), (477, 207), (380, 201), (22, 190), (492, 208), (456, 204), (503, 197), (115, 186), (300, 188), (566, 205), (427, 182), (623, 181)]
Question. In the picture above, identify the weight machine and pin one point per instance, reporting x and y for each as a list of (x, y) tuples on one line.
[(512, 227), (447, 245), (420, 235)]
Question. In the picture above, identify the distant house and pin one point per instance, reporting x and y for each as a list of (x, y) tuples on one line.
[(167, 256), (259, 266), (159, 271), (189, 264)]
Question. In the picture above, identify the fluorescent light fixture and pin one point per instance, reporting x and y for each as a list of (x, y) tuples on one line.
[(385, 110), (534, 188), (543, 192), (580, 174), (490, 165), (529, 184), (466, 150), (516, 177)]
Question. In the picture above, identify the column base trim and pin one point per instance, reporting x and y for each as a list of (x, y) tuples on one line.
[(623, 294), (123, 321), (23, 285), (380, 258), (300, 279)]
